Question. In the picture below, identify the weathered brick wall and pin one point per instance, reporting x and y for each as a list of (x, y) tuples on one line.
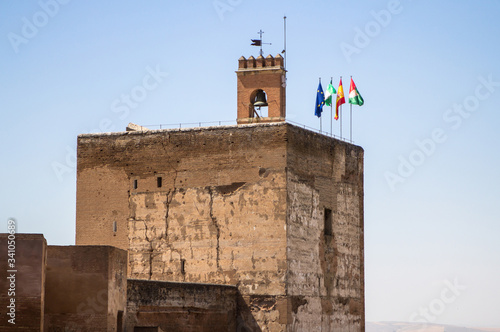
[(109, 164), (101, 200), (219, 216), (85, 288), (327, 271), (117, 288), (29, 280), (182, 307)]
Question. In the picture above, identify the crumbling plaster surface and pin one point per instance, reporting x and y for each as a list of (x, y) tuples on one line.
[(224, 234), (326, 272)]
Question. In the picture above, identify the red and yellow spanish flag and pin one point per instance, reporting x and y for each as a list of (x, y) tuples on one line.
[(340, 99)]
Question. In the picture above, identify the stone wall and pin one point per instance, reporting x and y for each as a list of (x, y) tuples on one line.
[(27, 285), (210, 221), (326, 270), (109, 165), (182, 307), (191, 235), (236, 205), (85, 288)]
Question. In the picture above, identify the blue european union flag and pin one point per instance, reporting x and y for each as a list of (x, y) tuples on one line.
[(320, 101)]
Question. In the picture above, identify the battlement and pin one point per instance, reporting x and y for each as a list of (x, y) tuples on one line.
[(276, 62)]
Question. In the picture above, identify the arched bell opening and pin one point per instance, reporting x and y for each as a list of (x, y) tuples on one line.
[(258, 104)]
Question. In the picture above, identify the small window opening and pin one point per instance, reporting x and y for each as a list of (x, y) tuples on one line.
[(119, 320), (183, 266), (115, 227), (328, 222), (135, 184), (159, 182)]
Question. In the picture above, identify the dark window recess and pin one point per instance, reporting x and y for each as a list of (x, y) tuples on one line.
[(135, 184), (328, 222), (159, 181), (119, 321), (183, 266), (115, 227)]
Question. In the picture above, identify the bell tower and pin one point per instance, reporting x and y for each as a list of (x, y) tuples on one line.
[(261, 83)]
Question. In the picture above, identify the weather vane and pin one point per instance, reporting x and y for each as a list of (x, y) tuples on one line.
[(258, 42)]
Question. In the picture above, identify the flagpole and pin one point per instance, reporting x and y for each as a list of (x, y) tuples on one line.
[(340, 112), (331, 112), (331, 118), (350, 117), (350, 129), (320, 122), (340, 116)]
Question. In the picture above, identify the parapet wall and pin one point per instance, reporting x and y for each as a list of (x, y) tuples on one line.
[(86, 287), (63, 288), (182, 306), (25, 284)]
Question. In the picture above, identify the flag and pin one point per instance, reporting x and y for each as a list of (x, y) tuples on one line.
[(340, 99), (354, 96), (320, 101), (256, 42), (329, 93)]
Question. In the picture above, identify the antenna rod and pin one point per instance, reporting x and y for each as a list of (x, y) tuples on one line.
[(284, 37)]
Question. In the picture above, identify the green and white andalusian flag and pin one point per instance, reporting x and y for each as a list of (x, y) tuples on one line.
[(330, 91)]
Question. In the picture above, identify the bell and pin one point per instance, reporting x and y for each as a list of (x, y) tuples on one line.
[(260, 99)]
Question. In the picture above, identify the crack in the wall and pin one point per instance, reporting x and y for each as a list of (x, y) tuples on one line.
[(214, 222), (170, 197), (150, 230), (150, 250), (312, 204), (171, 192), (168, 201), (129, 219)]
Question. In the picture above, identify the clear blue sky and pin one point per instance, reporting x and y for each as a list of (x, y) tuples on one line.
[(428, 71)]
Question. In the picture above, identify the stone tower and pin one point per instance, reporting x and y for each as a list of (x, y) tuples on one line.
[(272, 208)]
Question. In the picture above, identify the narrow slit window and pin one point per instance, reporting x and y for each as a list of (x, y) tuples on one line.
[(183, 266), (328, 222), (159, 181), (115, 227), (135, 184)]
